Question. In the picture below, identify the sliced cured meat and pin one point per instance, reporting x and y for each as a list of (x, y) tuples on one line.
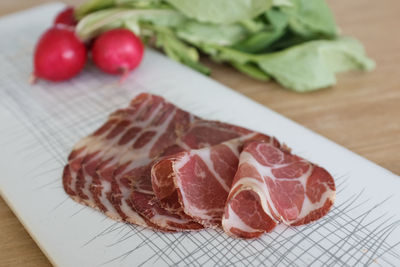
[(272, 186), (205, 133), (110, 170), (125, 159), (156, 165), (201, 179), (115, 176), (199, 134), (80, 174), (149, 207), (188, 132), (95, 161), (88, 148), (82, 150)]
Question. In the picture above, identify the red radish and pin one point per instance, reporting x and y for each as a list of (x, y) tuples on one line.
[(66, 17), (117, 51), (59, 55)]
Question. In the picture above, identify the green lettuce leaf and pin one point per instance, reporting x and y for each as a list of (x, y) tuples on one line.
[(221, 11), (251, 70), (313, 65), (261, 40), (224, 35), (277, 18), (177, 50), (96, 5), (100, 21), (294, 42), (306, 67), (311, 18), (91, 6), (276, 3)]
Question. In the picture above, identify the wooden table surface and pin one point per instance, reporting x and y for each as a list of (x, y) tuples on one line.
[(361, 113)]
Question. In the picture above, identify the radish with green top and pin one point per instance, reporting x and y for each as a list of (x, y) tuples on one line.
[(59, 55), (117, 51)]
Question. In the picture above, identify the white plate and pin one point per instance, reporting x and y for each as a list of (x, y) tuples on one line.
[(39, 125)]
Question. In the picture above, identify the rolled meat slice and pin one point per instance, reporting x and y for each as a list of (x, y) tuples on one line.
[(274, 186), (201, 178)]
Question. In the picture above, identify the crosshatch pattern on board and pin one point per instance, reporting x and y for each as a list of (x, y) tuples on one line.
[(353, 240), (57, 119)]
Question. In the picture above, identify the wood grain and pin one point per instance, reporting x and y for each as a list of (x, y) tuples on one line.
[(361, 113)]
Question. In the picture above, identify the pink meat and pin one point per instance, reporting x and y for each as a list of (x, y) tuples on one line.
[(201, 178), (123, 170), (272, 186), (80, 177), (171, 130), (110, 169), (156, 165)]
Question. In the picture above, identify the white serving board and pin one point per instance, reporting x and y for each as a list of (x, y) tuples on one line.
[(39, 125)]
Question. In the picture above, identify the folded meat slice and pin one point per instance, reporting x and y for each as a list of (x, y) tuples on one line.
[(195, 133), (89, 149), (200, 179), (272, 186), (110, 169), (172, 130), (122, 163), (106, 171), (80, 177)]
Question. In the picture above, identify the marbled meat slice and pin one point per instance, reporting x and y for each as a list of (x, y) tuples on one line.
[(201, 178), (272, 186), (102, 177), (110, 170), (80, 173), (127, 167), (89, 176), (180, 131)]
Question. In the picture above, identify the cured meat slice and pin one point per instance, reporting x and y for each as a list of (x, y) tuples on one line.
[(201, 179), (202, 186), (110, 170), (88, 148), (84, 149), (110, 178), (128, 169), (107, 187), (89, 176), (187, 134), (271, 186), (156, 165), (80, 172)]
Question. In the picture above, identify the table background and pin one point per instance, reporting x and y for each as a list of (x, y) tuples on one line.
[(361, 113)]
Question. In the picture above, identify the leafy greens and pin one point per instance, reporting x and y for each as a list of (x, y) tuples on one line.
[(295, 42)]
